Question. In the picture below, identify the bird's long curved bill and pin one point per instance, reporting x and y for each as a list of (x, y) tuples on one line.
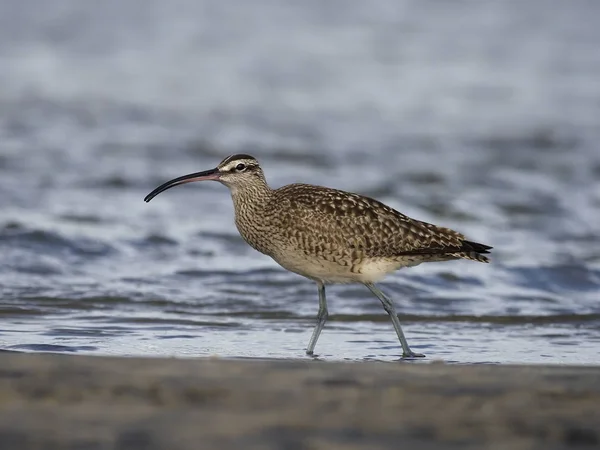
[(212, 174)]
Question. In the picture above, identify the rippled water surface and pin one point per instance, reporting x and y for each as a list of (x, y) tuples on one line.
[(481, 116)]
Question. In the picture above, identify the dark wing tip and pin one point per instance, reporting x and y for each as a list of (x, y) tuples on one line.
[(470, 246)]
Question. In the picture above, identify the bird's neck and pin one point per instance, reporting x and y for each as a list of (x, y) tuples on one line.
[(251, 198), (251, 219)]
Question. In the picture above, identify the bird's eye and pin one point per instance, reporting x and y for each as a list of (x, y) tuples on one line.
[(240, 167)]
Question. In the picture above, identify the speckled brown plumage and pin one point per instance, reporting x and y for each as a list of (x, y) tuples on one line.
[(338, 232), (330, 236)]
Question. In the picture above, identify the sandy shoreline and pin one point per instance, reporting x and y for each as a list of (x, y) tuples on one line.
[(59, 401)]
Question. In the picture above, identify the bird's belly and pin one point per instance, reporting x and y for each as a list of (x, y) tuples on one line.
[(368, 270), (374, 269), (320, 270)]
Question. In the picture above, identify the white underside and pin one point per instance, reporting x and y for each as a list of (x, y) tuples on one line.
[(368, 271)]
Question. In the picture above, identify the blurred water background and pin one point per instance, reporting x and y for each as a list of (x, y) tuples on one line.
[(481, 116)]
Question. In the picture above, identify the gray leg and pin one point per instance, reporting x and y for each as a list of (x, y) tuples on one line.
[(321, 319), (389, 308)]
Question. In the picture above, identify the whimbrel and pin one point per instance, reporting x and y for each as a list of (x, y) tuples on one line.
[(330, 236)]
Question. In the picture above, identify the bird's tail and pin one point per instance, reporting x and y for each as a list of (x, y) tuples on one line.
[(473, 251)]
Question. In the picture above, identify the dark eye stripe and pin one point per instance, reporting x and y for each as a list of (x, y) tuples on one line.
[(244, 167)]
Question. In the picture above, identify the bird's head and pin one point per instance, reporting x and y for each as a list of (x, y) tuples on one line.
[(235, 171)]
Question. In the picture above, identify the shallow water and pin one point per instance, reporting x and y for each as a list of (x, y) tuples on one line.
[(480, 116)]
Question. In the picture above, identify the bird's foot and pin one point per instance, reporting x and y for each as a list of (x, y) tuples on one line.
[(410, 354)]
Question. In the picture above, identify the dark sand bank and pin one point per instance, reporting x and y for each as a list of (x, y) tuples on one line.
[(78, 402)]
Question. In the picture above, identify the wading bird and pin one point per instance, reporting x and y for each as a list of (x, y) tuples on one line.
[(330, 236)]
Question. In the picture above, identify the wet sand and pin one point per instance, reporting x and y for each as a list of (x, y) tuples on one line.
[(81, 402)]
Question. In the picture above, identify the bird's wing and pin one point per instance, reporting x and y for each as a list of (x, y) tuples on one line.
[(364, 225)]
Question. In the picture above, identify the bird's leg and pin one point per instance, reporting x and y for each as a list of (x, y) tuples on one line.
[(391, 310), (321, 319)]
